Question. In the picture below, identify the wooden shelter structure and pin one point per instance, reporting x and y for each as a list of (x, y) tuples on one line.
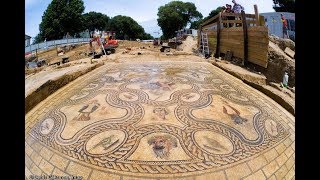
[(246, 36)]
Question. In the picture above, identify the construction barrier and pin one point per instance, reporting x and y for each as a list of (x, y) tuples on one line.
[(54, 43)]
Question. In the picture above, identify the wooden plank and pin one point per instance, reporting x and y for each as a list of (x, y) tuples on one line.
[(231, 29), (250, 15), (256, 15), (245, 37), (210, 28), (258, 55), (259, 46), (257, 28), (209, 25), (258, 40), (236, 53), (252, 43), (211, 33), (258, 60), (231, 42), (262, 21), (252, 40), (260, 63), (254, 57), (239, 21), (233, 46), (238, 36), (251, 22), (253, 54), (250, 34), (231, 21), (231, 14), (251, 28), (261, 54), (238, 50), (240, 46), (231, 36), (213, 19), (258, 34)]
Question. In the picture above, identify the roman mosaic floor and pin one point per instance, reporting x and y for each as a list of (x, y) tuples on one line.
[(159, 120)]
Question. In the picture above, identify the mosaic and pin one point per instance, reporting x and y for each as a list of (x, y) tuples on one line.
[(159, 118)]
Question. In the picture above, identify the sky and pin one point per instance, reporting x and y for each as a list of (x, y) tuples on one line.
[(142, 11)]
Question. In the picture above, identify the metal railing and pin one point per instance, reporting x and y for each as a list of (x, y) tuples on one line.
[(54, 43)]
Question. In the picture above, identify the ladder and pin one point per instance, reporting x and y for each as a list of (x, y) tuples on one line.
[(204, 43)]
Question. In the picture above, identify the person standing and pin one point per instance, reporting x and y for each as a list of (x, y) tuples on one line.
[(237, 8), (223, 10), (229, 10), (284, 26)]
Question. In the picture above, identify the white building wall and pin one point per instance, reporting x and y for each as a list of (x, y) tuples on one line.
[(274, 24), (194, 32), (27, 42)]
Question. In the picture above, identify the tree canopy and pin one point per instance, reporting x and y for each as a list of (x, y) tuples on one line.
[(284, 5), (127, 28), (95, 20), (61, 17), (176, 15), (196, 24)]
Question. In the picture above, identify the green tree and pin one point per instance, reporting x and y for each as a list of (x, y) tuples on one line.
[(176, 15), (147, 36), (126, 28), (37, 39), (215, 12), (61, 17), (284, 5), (196, 24), (95, 20)]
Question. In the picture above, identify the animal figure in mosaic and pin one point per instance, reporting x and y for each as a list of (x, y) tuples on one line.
[(162, 144), (213, 144), (106, 142), (86, 110), (235, 116), (188, 96), (129, 95)]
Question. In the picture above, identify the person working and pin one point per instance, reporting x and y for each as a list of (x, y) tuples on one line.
[(284, 27), (237, 8), (229, 10)]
